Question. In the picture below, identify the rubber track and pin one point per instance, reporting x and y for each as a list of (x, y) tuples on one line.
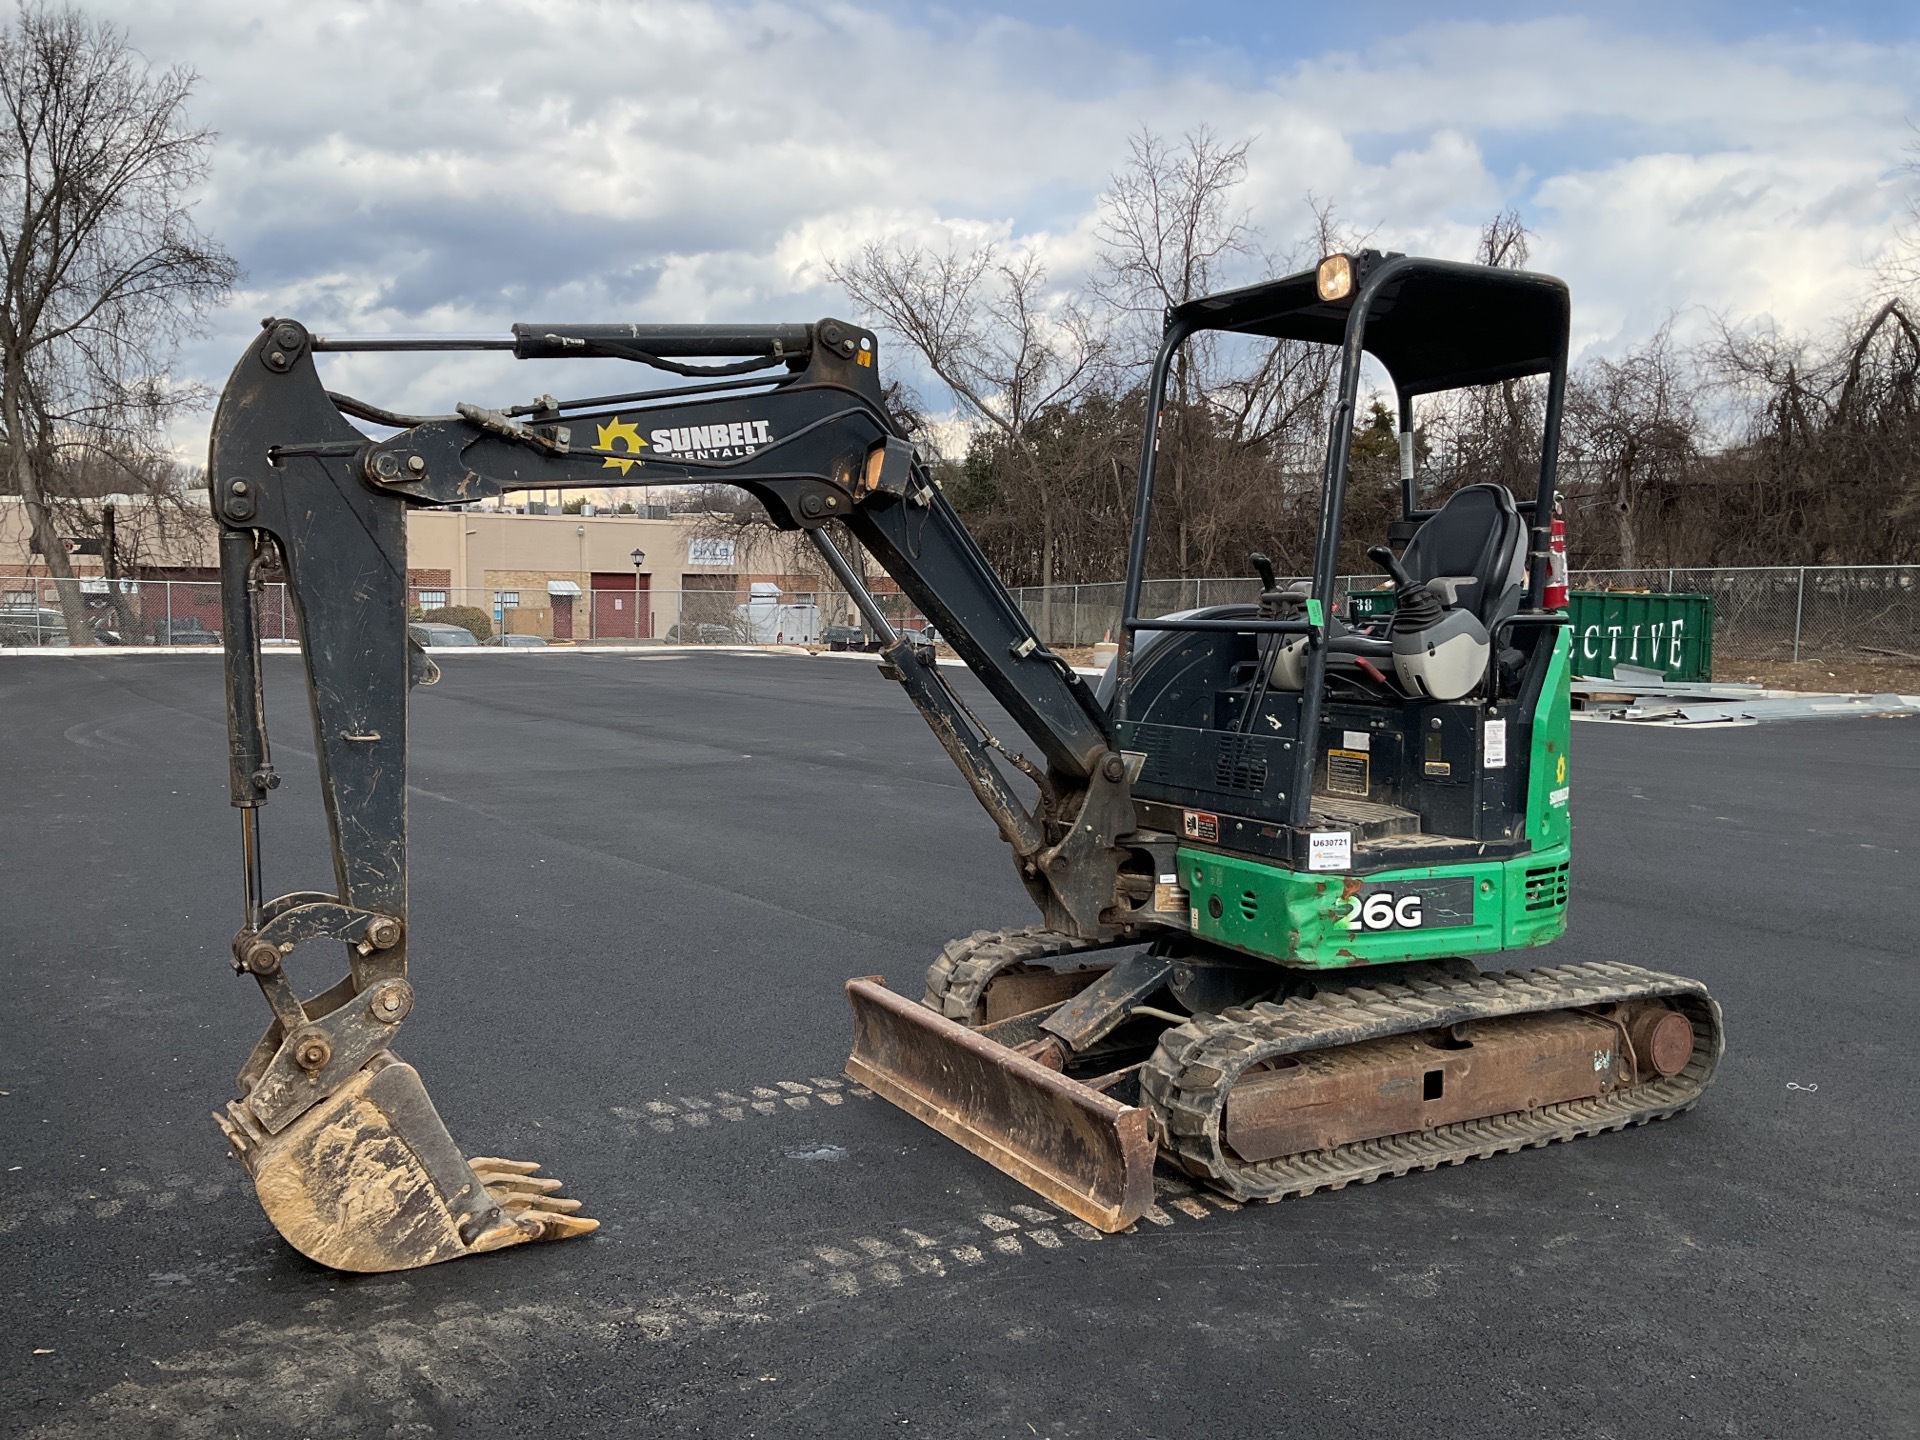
[(958, 979), (1196, 1065)]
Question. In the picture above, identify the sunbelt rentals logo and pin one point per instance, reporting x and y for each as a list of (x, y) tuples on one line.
[(734, 440)]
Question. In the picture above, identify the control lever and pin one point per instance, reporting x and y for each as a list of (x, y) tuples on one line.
[(1415, 606), (1272, 600), (1389, 562), (1274, 605)]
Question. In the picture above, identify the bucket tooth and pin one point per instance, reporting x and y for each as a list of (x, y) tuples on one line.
[(1084, 1151)]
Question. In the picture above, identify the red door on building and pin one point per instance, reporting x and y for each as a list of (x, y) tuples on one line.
[(620, 606)]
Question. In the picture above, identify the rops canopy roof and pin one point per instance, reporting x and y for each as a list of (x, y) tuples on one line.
[(1435, 324)]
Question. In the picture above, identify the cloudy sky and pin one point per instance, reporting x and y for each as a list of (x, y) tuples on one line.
[(462, 164)]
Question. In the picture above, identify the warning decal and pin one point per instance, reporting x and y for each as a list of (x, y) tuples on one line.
[(1349, 772), (1201, 825)]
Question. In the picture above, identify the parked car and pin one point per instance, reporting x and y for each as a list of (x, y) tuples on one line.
[(845, 637), (430, 636), (184, 630), (920, 637), (517, 642), (32, 625)]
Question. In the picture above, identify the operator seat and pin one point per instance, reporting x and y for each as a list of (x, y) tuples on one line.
[(1463, 572), (1461, 577), (1477, 541), (1470, 554)]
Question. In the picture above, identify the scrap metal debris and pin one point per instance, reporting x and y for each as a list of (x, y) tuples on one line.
[(1644, 696)]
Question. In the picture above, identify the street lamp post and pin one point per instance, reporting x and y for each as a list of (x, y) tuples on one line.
[(639, 559)]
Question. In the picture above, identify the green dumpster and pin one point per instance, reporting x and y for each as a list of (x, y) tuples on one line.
[(1365, 605), (1671, 633)]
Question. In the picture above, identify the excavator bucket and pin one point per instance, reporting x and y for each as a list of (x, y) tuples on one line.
[(369, 1180), (1084, 1151)]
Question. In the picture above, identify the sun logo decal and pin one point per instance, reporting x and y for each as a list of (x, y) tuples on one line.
[(628, 434), (1560, 771)]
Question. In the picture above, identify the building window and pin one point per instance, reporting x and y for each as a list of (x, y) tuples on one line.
[(22, 597), (433, 599), (507, 599)]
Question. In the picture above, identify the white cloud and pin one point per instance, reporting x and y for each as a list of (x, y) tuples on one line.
[(448, 165)]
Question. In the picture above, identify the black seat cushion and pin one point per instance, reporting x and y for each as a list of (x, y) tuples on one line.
[(1479, 535)]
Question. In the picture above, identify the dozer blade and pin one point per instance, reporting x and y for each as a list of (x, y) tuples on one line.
[(1083, 1150), (369, 1180)]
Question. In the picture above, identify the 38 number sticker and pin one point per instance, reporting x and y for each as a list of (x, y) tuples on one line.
[(1384, 911)]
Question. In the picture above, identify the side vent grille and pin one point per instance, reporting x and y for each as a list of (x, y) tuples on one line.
[(1249, 905), (1239, 766), (1546, 888)]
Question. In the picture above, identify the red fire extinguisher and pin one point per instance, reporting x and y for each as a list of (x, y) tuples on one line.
[(1556, 592)]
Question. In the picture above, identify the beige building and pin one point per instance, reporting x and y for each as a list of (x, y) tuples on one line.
[(582, 577), (175, 534)]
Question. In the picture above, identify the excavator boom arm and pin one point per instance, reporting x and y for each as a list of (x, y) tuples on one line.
[(294, 482)]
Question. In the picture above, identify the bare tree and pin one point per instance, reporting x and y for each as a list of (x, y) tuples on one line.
[(1505, 242), (1632, 430), (1055, 386), (991, 331), (102, 271), (130, 505), (1754, 449), (1828, 469), (1267, 421), (1168, 229)]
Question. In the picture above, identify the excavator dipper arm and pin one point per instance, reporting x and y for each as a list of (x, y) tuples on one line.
[(348, 1156)]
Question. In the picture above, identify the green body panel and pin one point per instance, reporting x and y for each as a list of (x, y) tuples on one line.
[(1549, 775), (1302, 920), (1307, 920)]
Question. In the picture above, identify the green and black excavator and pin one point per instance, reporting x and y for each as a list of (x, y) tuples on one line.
[(1275, 851)]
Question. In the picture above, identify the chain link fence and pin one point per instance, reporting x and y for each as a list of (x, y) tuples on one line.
[(1780, 613), (187, 612), (1792, 612)]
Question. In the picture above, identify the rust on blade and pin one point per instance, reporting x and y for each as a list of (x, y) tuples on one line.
[(1084, 1151)]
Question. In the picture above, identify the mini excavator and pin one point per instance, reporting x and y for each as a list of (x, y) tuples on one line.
[(1277, 854)]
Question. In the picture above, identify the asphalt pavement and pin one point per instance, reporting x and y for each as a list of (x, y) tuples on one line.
[(638, 884)]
